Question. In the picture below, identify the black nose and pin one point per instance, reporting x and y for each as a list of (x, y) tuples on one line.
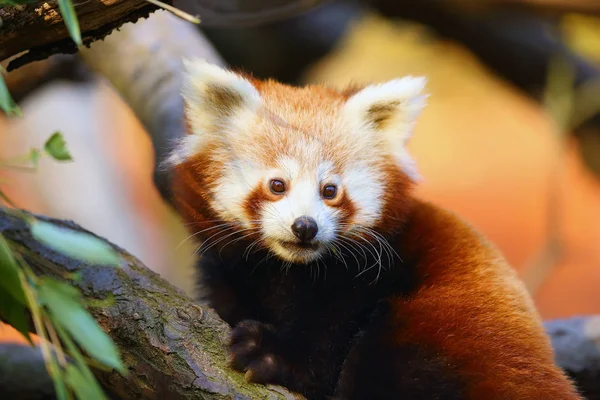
[(305, 228)]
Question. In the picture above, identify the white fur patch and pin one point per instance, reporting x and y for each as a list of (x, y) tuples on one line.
[(303, 199), (404, 101), (289, 167), (206, 121), (365, 189), (201, 74), (239, 178)]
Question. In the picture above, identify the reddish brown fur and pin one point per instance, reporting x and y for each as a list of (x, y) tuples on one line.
[(472, 309), (254, 201), (396, 199), (347, 208)]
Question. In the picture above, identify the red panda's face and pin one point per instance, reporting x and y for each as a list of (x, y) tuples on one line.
[(298, 171)]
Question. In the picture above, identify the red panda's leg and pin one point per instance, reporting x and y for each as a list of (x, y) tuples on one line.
[(219, 289), (379, 368)]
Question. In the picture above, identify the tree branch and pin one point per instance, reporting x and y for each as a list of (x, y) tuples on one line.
[(172, 347), (39, 30)]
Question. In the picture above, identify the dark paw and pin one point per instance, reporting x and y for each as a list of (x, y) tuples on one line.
[(252, 349)]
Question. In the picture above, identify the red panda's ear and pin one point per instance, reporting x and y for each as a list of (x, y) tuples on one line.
[(217, 91), (388, 111), (217, 101), (391, 107)]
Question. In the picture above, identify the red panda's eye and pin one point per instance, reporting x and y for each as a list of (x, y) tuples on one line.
[(277, 186), (329, 191)]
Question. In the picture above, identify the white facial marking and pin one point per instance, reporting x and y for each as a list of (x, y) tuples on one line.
[(290, 168), (325, 171), (302, 198), (365, 189), (231, 191)]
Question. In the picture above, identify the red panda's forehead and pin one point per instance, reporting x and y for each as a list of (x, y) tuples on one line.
[(299, 123)]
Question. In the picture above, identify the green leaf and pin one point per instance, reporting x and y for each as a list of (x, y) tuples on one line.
[(15, 314), (84, 370), (68, 13), (70, 314), (10, 282), (58, 378), (34, 157), (64, 288), (56, 147), (7, 104), (79, 245), (83, 387)]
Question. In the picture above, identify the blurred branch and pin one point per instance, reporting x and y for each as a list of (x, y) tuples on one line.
[(143, 62), (544, 6), (23, 81), (559, 105)]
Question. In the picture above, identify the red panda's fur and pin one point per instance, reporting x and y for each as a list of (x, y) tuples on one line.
[(463, 310)]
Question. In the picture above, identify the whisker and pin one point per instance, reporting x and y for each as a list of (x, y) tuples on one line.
[(249, 248), (377, 257), (210, 237), (340, 243), (235, 240), (225, 237), (199, 232), (334, 249), (355, 245)]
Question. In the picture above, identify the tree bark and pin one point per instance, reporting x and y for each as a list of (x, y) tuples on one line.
[(39, 30), (172, 347)]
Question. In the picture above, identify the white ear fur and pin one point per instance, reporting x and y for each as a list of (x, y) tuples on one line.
[(206, 81), (389, 111), (217, 102)]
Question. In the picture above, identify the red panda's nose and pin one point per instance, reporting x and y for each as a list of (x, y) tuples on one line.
[(305, 228)]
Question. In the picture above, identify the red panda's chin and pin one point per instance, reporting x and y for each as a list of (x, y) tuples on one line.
[(297, 252)]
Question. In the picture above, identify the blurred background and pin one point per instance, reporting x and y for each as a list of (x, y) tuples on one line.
[(486, 145)]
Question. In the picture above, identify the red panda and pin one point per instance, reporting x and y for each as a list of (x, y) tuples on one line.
[(337, 281)]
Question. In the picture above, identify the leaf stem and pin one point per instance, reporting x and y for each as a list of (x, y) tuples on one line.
[(181, 14), (49, 360), (60, 355)]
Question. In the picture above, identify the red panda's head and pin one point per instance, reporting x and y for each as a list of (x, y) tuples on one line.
[(297, 171)]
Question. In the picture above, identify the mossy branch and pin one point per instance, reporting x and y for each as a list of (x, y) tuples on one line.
[(172, 347)]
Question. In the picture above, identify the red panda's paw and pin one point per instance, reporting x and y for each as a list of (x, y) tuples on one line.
[(252, 349)]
